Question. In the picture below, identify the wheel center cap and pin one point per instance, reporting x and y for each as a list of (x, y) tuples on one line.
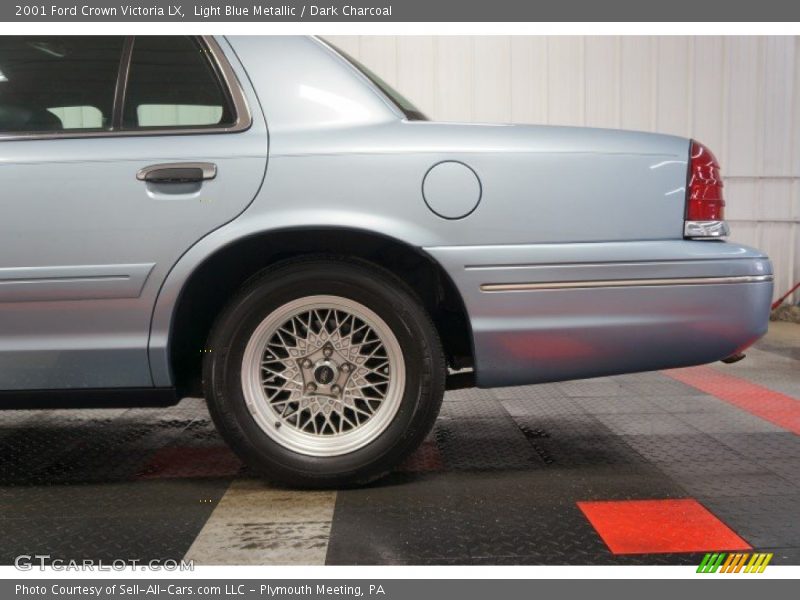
[(325, 373)]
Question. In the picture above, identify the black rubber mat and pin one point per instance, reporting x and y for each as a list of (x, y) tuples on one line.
[(506, 496), (79, 484), (496, 482), (512, 466)]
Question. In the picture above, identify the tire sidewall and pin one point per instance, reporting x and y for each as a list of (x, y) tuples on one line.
[(371, 288)]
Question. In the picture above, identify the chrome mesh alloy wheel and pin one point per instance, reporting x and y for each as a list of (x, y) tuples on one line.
[(323, 375), (324, 372)]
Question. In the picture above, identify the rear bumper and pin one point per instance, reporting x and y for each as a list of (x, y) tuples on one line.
[(686, 303)]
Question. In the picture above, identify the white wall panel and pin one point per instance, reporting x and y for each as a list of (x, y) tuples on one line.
[(673, 85), (454, 74), (745, 232), (740, 199), (529, 79), (795, 126), (380, 55), (744, 71), (795, 264), (565, 80), (779, 59), (777, 240), (708, 93), (416, 70), (602, 88), (638, 73), (774, 200), (738, 95), (492, 80), (349, 43), (796, 204)]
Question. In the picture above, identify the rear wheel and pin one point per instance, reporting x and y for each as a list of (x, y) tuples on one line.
[(324, 372)]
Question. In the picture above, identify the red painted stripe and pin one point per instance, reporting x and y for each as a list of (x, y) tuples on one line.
[(772, 406), (426, 458), (173, 462), (660, 527)]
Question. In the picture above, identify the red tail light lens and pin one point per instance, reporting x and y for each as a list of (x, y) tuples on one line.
[(705, 201)]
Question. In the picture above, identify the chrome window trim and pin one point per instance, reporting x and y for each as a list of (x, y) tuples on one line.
[(612, 283), (706, 230), (243, 118), (387, 101)]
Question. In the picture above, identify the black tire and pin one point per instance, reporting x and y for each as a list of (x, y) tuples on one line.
[(372, 287)]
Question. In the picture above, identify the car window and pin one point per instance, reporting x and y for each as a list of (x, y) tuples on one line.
[(162, 115), (172, 83), (78, 117), (53, 83)]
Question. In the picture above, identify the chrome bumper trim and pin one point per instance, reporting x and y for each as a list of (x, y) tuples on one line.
[(706, 230), (611, 283)]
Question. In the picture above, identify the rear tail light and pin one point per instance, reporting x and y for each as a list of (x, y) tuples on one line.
[(705, 204)]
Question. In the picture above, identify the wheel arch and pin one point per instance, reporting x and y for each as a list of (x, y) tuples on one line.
[(215, 279)]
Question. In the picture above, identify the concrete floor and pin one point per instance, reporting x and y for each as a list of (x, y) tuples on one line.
[(504, 478)]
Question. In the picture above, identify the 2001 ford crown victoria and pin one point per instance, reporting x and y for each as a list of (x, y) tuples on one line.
[(262, 220)]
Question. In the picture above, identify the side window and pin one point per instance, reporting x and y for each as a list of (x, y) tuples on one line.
[(57, 83), (171, 83)]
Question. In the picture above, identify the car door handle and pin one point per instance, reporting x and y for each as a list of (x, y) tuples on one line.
[(188, 172)]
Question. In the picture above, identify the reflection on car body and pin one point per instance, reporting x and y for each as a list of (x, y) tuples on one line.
[(266, 222)]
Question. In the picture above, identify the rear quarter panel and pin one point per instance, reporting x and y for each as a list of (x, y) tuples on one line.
[(556, 202)]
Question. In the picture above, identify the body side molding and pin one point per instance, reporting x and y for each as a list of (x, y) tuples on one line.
[(605, 283), (73, 282)]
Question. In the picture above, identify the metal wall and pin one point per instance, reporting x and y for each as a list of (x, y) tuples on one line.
[(738, 95)]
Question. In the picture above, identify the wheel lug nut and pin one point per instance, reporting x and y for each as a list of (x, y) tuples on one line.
[(311, 387), (336, 389), (327, 351), (346, 367), (307, 364)]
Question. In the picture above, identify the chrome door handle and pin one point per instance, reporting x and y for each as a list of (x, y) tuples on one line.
[(187, 172)]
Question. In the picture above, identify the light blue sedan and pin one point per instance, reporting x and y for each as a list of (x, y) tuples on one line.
[(263, 221)]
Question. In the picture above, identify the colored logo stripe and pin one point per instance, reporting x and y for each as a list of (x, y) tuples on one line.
[(726, 565), (711, 562), (733, 563)]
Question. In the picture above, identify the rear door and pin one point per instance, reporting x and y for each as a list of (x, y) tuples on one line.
[(116, 155)]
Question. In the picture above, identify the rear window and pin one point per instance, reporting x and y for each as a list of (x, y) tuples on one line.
[(54, 83), (172, 83)]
